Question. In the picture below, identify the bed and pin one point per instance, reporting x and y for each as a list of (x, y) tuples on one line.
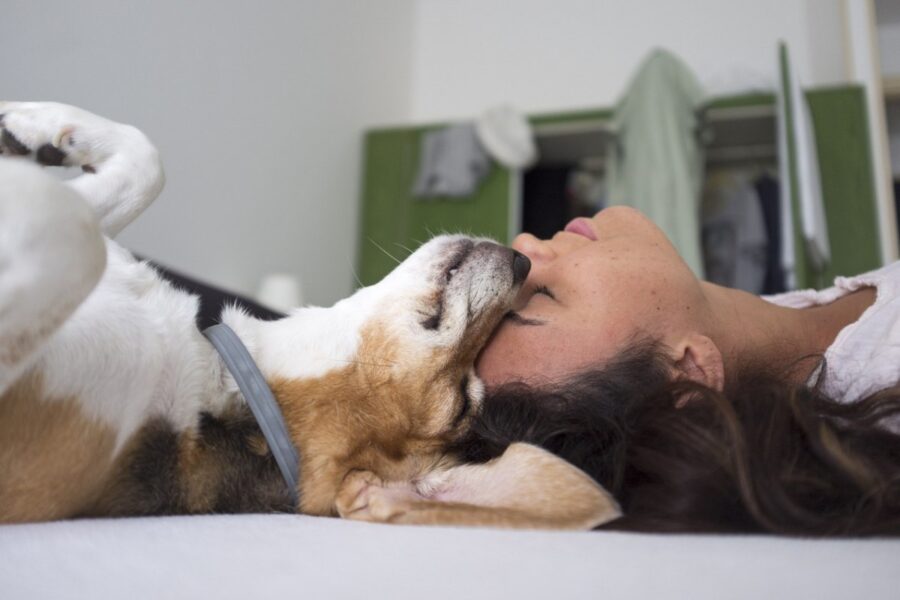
[(281, 556)]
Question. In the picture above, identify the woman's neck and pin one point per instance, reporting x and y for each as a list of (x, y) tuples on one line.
[(751, 332)]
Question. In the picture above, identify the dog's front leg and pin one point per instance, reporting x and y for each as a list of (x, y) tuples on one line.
[(526, 487), (51, 256), (122, 171)]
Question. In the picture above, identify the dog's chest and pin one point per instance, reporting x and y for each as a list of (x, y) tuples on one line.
[(132, 352)]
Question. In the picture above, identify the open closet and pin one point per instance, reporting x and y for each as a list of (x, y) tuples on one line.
[(740, 209), (738, 136)]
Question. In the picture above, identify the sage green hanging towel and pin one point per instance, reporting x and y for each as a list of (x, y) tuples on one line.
[(654, 161)]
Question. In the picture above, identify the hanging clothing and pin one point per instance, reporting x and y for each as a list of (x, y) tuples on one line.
[(803, 187), (452, 163), (587, 190), (768, 189), (735, 242), (655, 161), (507, 136)]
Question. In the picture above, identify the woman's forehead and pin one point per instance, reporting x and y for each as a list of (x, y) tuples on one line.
[(566, 340)]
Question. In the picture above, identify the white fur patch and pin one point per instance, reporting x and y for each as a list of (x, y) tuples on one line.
[(132, 351)]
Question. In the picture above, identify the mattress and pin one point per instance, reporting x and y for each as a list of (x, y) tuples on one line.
[(281, 556)]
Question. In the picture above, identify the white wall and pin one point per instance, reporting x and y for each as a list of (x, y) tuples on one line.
[(547, 55), (257, 107)]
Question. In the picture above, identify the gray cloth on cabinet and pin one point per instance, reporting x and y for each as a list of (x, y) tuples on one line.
[(735, 241), (655, 161), (452, 163)]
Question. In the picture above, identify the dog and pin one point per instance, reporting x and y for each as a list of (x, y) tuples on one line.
[(113, 403)]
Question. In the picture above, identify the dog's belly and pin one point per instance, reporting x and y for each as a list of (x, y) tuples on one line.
[(131, 352), (129, 355)]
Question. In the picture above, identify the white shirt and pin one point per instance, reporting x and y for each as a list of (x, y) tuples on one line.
[(865, 356)]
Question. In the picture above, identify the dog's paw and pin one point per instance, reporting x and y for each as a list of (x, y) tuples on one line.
[(55, 134), (353, 495), (363, 496)]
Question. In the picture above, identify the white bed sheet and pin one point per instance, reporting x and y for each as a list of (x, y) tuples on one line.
[(286, 556)]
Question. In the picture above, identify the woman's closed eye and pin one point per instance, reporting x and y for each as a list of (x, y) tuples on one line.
[(544, 290), (538, 293), (517, 318)]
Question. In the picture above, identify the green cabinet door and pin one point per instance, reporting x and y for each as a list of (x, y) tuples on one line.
[(395, 223), (840, 120), (840, 123)]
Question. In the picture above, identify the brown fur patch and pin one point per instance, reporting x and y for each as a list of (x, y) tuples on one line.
[(53, 459), (370, 416)]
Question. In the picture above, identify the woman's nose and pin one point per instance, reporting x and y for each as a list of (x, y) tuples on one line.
[(537, 250)]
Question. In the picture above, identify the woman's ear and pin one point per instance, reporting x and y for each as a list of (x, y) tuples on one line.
[(698, 359)]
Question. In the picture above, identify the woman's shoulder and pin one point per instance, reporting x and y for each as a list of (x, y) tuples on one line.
[(885, 279), (865, 356)]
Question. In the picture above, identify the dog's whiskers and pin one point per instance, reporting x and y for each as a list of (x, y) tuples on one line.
[(404, 247), (389, 255), (355, 275)]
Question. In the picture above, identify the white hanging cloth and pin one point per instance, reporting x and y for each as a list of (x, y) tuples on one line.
[(805, 162), (507, 136)]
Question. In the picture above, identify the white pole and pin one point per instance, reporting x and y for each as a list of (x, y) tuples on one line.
[(865, 67)]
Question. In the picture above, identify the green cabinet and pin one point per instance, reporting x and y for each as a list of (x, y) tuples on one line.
[(394, 222), (840, 121)]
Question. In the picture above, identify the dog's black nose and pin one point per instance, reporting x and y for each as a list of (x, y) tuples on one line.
[(521, 266)]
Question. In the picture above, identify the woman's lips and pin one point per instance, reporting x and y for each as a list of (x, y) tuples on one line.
[(582, 227)]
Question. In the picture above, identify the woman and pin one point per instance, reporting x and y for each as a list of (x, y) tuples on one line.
[(702, 408)]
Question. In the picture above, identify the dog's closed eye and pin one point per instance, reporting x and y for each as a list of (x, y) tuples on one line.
[(466, 404)]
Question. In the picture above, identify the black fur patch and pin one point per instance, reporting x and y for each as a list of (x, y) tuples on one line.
[(12, 145), (148, 483), (223, 473), (50, 155), (247, 482)]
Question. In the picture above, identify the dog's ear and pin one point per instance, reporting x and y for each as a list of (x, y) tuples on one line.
[(526, 487)]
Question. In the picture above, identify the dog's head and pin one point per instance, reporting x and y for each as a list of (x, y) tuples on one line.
[(376, 387)]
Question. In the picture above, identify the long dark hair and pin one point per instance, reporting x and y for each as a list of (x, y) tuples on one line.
[(765, 455)]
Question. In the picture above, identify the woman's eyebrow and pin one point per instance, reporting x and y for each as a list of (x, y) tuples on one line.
[(517, 319)]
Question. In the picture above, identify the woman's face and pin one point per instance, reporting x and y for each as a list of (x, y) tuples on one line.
[(592, 289)]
